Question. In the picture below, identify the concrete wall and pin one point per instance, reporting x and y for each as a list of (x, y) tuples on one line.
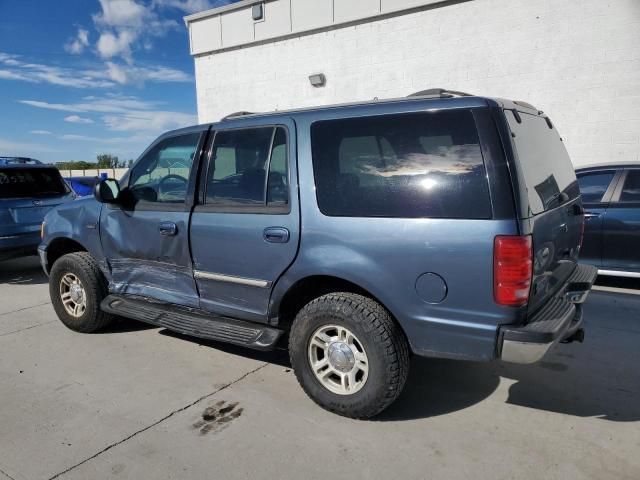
[(116, 173), (233, 25), (578, 60)]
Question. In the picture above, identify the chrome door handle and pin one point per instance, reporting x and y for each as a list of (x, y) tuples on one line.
[(591, 215), (168, 229), (276, 235)]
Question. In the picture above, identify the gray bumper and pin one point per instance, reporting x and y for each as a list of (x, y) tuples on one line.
[(559, 320)]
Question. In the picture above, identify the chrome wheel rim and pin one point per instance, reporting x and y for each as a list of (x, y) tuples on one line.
[(73, 295), (338, 359)]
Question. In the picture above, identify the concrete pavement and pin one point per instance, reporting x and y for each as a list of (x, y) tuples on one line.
[(138, 402)]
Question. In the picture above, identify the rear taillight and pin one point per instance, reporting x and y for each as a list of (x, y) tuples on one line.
[(512, 269), (582, 232)]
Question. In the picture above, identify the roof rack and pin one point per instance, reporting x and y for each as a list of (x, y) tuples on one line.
[(241, 113), (440, 92)]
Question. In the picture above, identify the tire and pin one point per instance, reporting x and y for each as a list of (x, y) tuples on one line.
[(375, 334), (82, 267)]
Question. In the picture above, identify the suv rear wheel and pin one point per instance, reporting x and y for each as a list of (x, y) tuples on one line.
[(77, 287), (348, 354)]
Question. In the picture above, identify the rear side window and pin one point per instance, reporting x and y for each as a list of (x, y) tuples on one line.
[(543, 162), (631, 190), (30, 182), (410, 165), (593, 185), (249, 168)]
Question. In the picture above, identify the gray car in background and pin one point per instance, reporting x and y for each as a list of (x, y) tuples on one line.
[(28, 190), (442, 225)]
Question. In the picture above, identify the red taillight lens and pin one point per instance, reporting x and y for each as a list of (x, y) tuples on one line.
[(512, 269), (582, 225)]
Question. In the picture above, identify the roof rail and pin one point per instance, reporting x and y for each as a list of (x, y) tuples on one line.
[(241, 113), (440, 92)]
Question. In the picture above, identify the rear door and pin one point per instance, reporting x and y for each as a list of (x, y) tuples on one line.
[(621, 226), (244, 232), (596, 188), (553, 211)]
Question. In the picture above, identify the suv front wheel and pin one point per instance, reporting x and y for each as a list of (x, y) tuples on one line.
[(77, 287), (348, 354)]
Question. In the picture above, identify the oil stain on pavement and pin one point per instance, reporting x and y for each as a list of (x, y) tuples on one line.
[(217, 417)]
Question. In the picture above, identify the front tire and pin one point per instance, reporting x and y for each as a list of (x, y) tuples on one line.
[(348, 354), (77, 286)]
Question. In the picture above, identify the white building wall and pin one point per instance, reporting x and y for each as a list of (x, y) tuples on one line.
[(578, 60)]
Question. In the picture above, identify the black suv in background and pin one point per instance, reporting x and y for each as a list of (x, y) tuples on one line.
[(611, 197)]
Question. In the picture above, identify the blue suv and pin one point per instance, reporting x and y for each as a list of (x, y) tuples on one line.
[(28, 190), (441, 225)]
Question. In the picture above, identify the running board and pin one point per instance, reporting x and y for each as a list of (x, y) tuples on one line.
[(192, 322)]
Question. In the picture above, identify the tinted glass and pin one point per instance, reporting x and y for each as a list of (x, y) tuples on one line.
[(631, 190), (409, 165), (30, 182), (240, 161), (162, 175), (278, 187), (544, 163), (594, 185)]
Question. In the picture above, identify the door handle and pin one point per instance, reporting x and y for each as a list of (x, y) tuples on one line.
[(168, 229), (276, 235), (591, 215)]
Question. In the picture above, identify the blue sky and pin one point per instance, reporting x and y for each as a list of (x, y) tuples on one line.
[(84, 77)]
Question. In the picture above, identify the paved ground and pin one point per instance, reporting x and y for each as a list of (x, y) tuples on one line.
[(129, 403)]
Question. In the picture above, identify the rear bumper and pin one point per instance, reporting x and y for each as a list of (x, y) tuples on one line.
[(558, 320)]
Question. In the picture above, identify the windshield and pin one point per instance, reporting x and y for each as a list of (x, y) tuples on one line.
[(30, 182)]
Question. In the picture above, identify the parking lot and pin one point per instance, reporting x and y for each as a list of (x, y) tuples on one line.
[(140, 402)]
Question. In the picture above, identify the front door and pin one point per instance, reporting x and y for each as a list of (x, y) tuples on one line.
[(244, 232), (621, 227), (596, 188), (146, 240)]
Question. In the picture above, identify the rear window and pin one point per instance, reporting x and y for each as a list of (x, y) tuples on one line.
[(411, 165), (30, 182), (543, 162)]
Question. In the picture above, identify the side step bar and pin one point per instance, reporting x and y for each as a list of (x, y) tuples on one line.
[(192, 322)]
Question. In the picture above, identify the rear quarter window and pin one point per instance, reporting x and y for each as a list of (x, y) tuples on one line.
[(543, 162), (415, 165), (30, 182)]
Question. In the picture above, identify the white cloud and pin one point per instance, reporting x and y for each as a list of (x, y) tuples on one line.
[(40, 132), (77, 119), (111, 45), (39, 73), (13, 67), (148, 121), (79, 43), (121, 14), (124, 113), (189, 6), (19, 149), (126, 74)]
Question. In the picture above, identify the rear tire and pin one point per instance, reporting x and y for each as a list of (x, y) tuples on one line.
[(77, 286), (348, 354)]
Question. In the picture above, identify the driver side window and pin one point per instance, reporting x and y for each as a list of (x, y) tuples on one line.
[(162, 175)]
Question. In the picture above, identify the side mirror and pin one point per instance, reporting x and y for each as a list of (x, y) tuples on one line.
[(107, 191)]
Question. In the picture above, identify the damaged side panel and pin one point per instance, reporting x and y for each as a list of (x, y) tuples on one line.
[(143, 260)]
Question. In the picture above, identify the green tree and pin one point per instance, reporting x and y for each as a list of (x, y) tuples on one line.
[(76, 165), (106, 160)]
